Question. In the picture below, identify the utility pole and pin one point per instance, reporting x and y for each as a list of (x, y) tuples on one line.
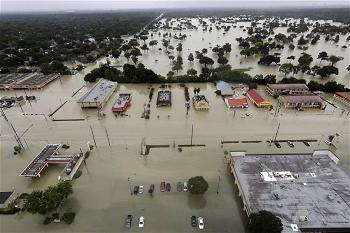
[(277, 130), (217, 190), (192, 135), (93, 136), (16, 137), (109, 143)]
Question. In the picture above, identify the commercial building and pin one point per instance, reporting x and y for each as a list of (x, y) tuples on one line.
[(200, 103), (224, 88), (98, 95), (257, 99), (164, 98), (301, 101), (236, 103), (308, 192), (343, 97), (26, 80), (50, 155), (287, 89)]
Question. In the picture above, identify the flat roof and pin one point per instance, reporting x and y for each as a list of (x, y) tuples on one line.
[(345, 95), (98, 92), (288, 86), (164, 98), (222, 86), (39, 162), (302, 99), (232, 102), (309, 190)]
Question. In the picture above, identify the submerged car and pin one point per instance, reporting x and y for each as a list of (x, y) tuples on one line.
[(162, 186), (200, 223), (141, 222), (140, 189), (151, 188), (168, 187), (136, 189), (194, 221), (290, 144), (128, 221)]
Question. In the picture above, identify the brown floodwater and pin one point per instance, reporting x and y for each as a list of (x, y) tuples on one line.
[(198, 39), (101, 195)]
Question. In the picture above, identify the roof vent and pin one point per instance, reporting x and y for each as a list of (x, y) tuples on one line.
[(330, 197), (303, 218)]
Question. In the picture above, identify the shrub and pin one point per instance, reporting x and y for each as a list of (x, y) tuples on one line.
[(68, 217), (48, 220), (77, 174)]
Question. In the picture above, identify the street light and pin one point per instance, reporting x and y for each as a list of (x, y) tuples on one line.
[(129, 185)]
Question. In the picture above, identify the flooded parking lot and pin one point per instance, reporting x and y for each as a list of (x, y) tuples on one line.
[(101, 195)]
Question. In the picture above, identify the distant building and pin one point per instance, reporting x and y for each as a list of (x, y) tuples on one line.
[(301, 101), (200, 102), (287, 89), (257, 99), (224, 88), (343, 97), (98, 95), (236, 103), (164, 98), (26, 80), (308, 192)]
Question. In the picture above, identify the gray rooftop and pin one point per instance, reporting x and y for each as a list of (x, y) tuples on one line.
[(317, 189), (99, 92)]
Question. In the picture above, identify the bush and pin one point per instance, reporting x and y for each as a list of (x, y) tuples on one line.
[(77, 174), (68, 217), (10, 209), (48, 220)]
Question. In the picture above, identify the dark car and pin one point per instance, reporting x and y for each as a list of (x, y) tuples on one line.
[(128, 221), (306, 144), (151, 188), (277, 145), (290, 144), (136, 189), (194, 221), (168, 187), (179, 186)]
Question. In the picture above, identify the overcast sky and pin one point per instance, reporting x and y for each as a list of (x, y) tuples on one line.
[(7, 6)]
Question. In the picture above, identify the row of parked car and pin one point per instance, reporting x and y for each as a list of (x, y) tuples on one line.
[(181, 187), (128, 221), (195, 222)]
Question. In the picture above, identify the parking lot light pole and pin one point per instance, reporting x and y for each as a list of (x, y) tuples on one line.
[(129, 185)]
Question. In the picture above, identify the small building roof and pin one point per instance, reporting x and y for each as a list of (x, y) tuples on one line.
[(231, 102), (345, 95), (98, 92), (302, 99), (254, 94), (278, 86), (223, 86)]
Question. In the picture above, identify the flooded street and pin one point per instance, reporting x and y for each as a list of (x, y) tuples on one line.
[(101, 196)]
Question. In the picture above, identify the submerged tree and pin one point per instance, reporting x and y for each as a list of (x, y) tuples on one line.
[(264, 222), (197, 185)]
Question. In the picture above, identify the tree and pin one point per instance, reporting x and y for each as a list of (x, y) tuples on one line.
[(322, 56), (179, 47), (192, 72), (334, 59), (227, 47), (246, 52), (264, 222), (204, 51), (197, 185), (326, 71), (305, 60), (152, 43), (134, 59), (190, 57), (43, 202), (116, 53), (222, 60), (206, 61), (286, 68), (144, 47), (268, 59)]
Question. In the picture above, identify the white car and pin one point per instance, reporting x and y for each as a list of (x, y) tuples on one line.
[(200, 223), (141, 222), (140, 189), (185, 188)]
